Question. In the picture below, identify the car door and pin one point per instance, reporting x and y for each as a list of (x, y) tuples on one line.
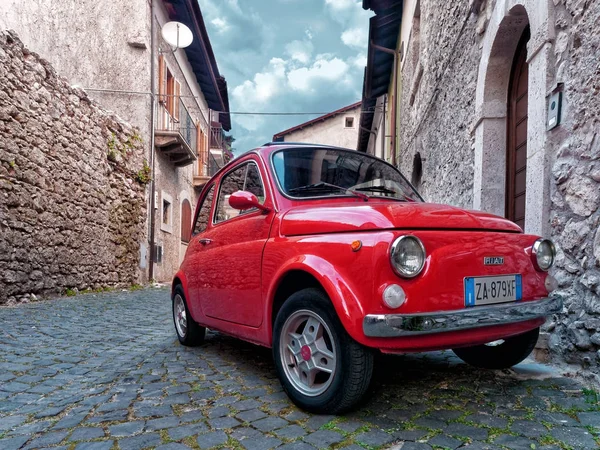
[(195, 261), (233, 255)]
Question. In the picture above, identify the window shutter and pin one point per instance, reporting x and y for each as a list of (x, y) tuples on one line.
[(199, 148), (186, 221), (162, 78), (175, 99)]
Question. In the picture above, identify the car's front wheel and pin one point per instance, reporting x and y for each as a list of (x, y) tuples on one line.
[(320, 366), (500, 354), (188, 331)]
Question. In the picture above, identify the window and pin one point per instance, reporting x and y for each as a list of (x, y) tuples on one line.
[(204, 213), (349, 122), (186, 221), (169, 89), (417, 172), (244, 178), (166, 213)]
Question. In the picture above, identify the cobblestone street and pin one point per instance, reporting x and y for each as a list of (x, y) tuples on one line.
[(105, 371)]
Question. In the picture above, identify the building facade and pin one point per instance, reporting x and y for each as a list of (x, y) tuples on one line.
[(498, 110), (338, 128), (176, 99)]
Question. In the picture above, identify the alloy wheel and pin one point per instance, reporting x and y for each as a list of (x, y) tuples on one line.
[(180, 315), (307, 351)]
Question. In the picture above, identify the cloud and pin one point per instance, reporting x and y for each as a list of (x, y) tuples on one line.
[(359, 61), (354, 20), (309, 79), (238, 30), (341, 5), (220, 24), (284, 85), (355, 37), (300, 50)]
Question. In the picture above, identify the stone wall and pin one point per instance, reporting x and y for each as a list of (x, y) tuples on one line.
[(438, 118), (72, 184), (439, 78), (575, 184)]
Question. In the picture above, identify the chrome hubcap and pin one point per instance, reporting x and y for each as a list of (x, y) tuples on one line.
[(307, 352), (180, 316)]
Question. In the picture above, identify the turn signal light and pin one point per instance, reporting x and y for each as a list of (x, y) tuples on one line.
[(356, 245)]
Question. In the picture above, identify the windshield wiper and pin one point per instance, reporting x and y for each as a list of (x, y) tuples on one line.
[(381, 189), (321, 185)]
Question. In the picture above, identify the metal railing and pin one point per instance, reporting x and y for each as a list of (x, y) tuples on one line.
[(216, 137), (180, 120), (213, 165)]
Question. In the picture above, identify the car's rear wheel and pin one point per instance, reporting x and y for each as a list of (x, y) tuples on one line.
[(500, 354), (188, 331), (320, 366)]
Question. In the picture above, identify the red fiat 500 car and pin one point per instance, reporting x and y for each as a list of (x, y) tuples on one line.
[(328, 255)]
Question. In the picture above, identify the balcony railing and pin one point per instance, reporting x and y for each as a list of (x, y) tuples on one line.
[(178, 119), (216, 136)]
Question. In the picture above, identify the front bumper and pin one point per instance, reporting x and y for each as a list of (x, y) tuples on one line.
[(394, 325)]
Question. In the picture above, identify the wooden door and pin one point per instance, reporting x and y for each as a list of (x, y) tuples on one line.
[(516, 158)]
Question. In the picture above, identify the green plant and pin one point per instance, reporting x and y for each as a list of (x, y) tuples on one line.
[(143, 176), (591, 396), (136, 287), (70, 292), (12, 164)]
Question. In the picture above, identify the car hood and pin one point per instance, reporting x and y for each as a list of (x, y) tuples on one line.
[(380, 215)]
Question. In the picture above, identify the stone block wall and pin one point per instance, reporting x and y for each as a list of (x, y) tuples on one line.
[(72, 184), (575, 183), (439, 79), (439, 115)]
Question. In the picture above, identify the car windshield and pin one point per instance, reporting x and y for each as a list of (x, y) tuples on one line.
[(323, 172)]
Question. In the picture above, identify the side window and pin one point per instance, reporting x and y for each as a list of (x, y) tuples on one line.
[(254, 183), (244, 178), (204, 213)]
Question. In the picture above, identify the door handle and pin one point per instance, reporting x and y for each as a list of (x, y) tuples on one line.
[(205, 241)]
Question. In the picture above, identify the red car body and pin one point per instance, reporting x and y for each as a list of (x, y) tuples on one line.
[(237, 273)]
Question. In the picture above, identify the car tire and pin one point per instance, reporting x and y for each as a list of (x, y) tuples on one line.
[(188, 331), (300, 352), (501, 356)]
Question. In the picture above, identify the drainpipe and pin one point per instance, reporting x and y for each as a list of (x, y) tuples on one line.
[(383, 128), (152, 154), (394, 104)]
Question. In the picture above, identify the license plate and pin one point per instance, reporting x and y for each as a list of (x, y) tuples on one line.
[(489, 290)]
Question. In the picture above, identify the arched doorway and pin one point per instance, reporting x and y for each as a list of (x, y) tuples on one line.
[(516, 138)]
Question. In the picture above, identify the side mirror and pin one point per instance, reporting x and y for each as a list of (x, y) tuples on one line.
[(244, 200)]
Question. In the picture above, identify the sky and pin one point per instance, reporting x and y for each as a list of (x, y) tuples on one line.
[(286, 56)]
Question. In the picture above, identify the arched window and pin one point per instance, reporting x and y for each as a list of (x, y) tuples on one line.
[(186, 221)]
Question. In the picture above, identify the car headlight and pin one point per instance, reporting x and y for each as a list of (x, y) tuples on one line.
[(407, 256), (543, 254)]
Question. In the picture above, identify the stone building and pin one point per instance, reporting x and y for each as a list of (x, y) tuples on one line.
[(497, 109), (177, 100), (71, 215), (338, 128)]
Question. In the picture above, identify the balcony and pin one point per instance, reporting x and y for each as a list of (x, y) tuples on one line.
[(216, 136), (210, 157), (176, 134)]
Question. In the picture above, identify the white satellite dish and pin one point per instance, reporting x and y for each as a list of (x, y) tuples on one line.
[(177, 35)]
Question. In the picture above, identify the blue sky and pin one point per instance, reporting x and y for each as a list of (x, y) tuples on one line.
[(286, 56)]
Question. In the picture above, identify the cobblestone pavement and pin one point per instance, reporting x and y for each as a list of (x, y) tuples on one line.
[(105, 371)]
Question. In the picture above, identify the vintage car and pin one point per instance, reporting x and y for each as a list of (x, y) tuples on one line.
[(328, 255)]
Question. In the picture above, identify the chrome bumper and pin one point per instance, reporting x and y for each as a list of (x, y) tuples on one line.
[(392, 325)]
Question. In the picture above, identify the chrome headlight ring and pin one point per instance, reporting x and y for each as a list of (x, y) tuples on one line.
[(407, 256), (543, 254)]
